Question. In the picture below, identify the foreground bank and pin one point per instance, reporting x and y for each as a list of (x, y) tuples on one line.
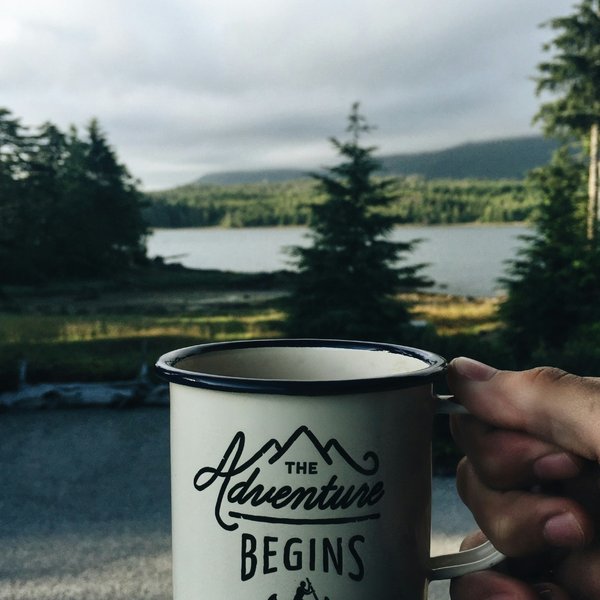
[(112, 331)]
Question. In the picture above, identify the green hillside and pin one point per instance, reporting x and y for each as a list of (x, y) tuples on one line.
[(509, 158), (497, 159), (288, 203), (478, 182)]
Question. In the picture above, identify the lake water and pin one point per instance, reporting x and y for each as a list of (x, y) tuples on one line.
[(464, 260)]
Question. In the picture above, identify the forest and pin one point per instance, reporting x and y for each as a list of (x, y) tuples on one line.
[(415, 200), (68, 207)]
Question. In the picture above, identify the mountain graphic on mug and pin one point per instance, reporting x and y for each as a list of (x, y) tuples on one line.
[(298, 482)]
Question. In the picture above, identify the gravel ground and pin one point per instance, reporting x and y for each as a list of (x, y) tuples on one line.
[(85, 511)]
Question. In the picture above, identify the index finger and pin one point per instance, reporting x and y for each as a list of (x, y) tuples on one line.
[(553, 405), (505, 459)]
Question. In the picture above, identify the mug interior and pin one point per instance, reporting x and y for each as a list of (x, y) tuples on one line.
[(302, 363)]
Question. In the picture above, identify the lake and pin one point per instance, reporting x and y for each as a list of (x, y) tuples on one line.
[(463, 260)]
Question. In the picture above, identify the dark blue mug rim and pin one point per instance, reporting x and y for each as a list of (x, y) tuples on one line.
[(166, 367)]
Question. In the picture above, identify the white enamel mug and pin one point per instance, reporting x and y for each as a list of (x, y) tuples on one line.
[(302, 469)]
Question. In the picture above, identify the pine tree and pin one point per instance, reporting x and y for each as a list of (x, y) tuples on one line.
[(105, 205), (348, 279), (15, 208), (573, 76), (43, 193), (554, 284), (68, 207)]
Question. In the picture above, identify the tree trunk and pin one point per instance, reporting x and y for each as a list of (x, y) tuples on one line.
[(593, 187)]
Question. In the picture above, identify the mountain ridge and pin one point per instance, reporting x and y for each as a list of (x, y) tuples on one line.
[(503, 158)]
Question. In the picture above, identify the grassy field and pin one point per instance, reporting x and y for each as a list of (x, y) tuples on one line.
[(455, 315), (100, 330), (111, 347)]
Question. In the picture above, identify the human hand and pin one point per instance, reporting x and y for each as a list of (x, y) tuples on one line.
[(530, 477)]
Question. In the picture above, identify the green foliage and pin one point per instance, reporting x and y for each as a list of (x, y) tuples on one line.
[(69, 208), (573, 77), (240, 205), (573, 73), (460, 201), (580, 354), (414, 200), (554, 284), (429, 188), (348, 278)]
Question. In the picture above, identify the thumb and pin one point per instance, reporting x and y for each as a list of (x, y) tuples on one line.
[(548, 403)]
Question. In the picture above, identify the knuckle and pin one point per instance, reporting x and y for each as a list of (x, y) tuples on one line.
[(513, 533), (548, 375), (503, 459), (490, 467), (502, 530), (493, 471)]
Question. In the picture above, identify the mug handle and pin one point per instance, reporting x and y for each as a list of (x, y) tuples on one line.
[(447, 566)]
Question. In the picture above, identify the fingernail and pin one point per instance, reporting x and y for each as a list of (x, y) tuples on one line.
[(564, 531), (473, 369), (556, 466)]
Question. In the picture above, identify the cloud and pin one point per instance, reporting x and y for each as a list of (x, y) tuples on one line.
[(184, 87)]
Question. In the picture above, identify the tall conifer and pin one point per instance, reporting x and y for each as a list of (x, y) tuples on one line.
[(554, 284), (349, 278), (572, 76)]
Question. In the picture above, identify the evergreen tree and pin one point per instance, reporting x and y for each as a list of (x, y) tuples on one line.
[(347, 281), (573, 77), (42, 198), (554, 284), (68, 207), (102, 207), (14, 205)]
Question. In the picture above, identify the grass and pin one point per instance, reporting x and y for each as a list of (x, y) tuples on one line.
[(453, 315), (93, 333), (101, 330), (106, 330), (51, 329), (113, 346), (449, 315)]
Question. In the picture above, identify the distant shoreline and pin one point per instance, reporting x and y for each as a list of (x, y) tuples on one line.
[(399, 226)]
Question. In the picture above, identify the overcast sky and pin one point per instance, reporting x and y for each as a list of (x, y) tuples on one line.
[(187, 87)]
